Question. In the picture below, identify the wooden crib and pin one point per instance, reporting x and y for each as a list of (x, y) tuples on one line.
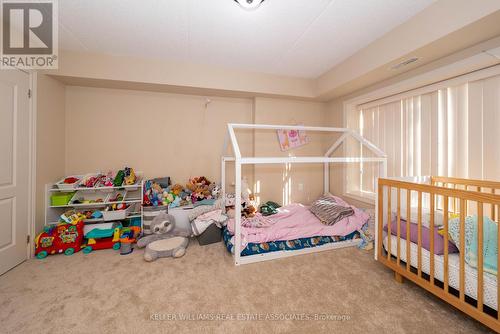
[(450, 196)]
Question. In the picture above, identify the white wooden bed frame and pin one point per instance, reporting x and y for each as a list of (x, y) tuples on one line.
[(238, 160)]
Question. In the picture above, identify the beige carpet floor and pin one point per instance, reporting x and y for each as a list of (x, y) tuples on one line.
[(104, 292)]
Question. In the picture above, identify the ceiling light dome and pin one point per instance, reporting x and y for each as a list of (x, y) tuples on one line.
[(249, 4)]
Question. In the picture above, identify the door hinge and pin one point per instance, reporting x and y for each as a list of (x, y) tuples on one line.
[(29, 93), (28, 239)]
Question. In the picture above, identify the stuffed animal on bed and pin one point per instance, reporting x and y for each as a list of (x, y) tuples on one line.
[(166, 240)]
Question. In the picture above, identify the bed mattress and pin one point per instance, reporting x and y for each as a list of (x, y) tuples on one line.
[(295, 244), (489, 281)]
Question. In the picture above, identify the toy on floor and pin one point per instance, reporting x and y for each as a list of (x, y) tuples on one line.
[(172, 247), (102, 236), (167, 239), (128, 236), (61, 238)]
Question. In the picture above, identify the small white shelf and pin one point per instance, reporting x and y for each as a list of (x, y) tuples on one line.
[(133, 196), (99, 220), (93, 205), (127, 187)]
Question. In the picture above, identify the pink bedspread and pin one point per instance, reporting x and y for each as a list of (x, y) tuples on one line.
[(295, 221)]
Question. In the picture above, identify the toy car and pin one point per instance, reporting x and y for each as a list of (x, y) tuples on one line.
[(61, 238), (102, 236)]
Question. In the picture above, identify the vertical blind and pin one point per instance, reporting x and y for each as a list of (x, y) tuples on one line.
[(453, 131)]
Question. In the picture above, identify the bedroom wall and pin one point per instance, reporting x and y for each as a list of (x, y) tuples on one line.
[(158, 133), (50, 143), (297, 182), (173, 134)]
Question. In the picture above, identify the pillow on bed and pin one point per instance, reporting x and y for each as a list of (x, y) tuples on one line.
[(426, 216), (329, 211), (426, 237), (490, 241)]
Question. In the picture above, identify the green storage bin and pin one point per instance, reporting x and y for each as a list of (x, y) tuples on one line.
[(59, 199)]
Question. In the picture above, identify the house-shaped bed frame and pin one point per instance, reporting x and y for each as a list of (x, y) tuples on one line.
[(327, 159)]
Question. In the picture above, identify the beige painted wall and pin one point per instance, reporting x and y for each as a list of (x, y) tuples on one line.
[(158, 133), (50, 143), (108, 128), (295, 183)]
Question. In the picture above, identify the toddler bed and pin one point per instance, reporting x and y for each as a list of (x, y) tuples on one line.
[(285, 245), (295, 227), (231, 154), (444, 237)]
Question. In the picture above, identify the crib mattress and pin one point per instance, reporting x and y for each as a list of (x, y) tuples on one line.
[(471, 274), (273, 246)]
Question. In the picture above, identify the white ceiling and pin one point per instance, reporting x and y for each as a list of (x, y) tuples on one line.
[(302, 38)]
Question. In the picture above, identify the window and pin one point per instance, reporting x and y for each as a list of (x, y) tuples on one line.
[(448, 131)]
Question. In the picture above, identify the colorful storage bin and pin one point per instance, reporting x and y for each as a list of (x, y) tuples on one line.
[(60, 199)]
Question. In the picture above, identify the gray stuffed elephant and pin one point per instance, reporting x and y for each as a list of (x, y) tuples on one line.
[(166, 241)]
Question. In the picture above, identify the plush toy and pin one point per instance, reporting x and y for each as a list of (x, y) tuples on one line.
[(230, 200), (199, 186), (130, 177), (167, 239), (249, 211), (176, 189), (215, 190), (175, 203)]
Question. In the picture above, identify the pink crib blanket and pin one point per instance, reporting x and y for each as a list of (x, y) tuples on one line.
[(295, 221)]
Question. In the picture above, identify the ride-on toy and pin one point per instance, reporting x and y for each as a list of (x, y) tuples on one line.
[(102, 236), (61, 238)]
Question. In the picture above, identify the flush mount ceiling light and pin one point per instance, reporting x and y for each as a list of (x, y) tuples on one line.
[(249, 4)]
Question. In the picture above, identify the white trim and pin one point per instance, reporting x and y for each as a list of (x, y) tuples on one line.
[(33, 77), (288, 160), (326, 160), (285, 127)]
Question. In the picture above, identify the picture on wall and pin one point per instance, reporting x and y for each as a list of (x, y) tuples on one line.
[(289, 139)]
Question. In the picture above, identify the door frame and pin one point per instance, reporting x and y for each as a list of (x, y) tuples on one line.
[(30, 250)]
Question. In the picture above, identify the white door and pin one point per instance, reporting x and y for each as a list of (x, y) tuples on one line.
[(14, 167)]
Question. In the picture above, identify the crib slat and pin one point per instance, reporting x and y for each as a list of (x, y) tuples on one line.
[(462, 250), (398, 257), (498, 280), (445, 216), (419, 234), (389, 219), (408, 220), (480, 256), (467, 206), (431, 246), (493, 216), (380, 222), (454, 208)]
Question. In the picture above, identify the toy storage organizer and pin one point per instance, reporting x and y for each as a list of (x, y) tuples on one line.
[(66, 198)]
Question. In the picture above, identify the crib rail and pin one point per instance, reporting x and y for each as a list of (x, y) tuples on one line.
[(451, 197), (482, 186)]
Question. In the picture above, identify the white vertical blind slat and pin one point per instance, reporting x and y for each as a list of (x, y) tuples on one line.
[(449, 132)]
